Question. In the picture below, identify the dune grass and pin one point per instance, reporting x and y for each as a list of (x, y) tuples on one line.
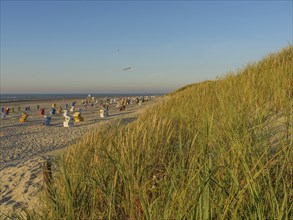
[(215, 150)]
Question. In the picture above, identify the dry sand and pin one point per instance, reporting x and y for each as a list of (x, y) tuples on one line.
[(25, 146)]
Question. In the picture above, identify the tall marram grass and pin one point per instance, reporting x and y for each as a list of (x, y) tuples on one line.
[(215, 150)]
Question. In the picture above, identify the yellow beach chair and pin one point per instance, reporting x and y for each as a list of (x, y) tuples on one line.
[(77, 117), (23, 117), (59, 110)]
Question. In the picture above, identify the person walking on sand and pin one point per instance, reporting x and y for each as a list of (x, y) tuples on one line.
[(106, 110), (123, 104)]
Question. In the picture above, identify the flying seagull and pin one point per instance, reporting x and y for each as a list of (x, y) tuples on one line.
[(128, 68)]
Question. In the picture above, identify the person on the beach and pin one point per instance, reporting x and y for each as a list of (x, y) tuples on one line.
[(123, 104), (72, 106), (106, 110), (3, 113)]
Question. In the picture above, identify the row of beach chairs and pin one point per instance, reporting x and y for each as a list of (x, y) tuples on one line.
[(69, 120)]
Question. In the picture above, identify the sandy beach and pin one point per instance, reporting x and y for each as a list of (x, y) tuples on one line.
[(25, 146)]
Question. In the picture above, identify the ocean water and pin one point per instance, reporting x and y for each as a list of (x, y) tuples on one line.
[(27, 97)]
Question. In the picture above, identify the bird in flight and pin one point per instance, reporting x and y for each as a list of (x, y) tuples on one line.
[(128, 68)]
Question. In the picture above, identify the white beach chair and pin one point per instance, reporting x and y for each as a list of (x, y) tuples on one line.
[(102, 113), (3, 115), (68, 120)]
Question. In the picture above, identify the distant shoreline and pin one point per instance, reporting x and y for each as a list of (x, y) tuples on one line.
[(31, 100), (6, 98)]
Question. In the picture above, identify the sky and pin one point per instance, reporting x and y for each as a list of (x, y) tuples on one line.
[(83, 46)]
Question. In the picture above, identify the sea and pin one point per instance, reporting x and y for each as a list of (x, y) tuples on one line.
[(4, 98)]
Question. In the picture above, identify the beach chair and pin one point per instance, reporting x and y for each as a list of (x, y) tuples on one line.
[(23, 117), (41, 111), (122, 108), (3, 115), (53, 111), (47, 120), (65, 113), (77, 117), (102, 113), (68, 120), (7, 111), (59, 110)]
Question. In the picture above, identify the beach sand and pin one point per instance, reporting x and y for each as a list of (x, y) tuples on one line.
[(25, 146)]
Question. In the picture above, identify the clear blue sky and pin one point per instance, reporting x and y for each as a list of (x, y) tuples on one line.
[(83, 46)]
